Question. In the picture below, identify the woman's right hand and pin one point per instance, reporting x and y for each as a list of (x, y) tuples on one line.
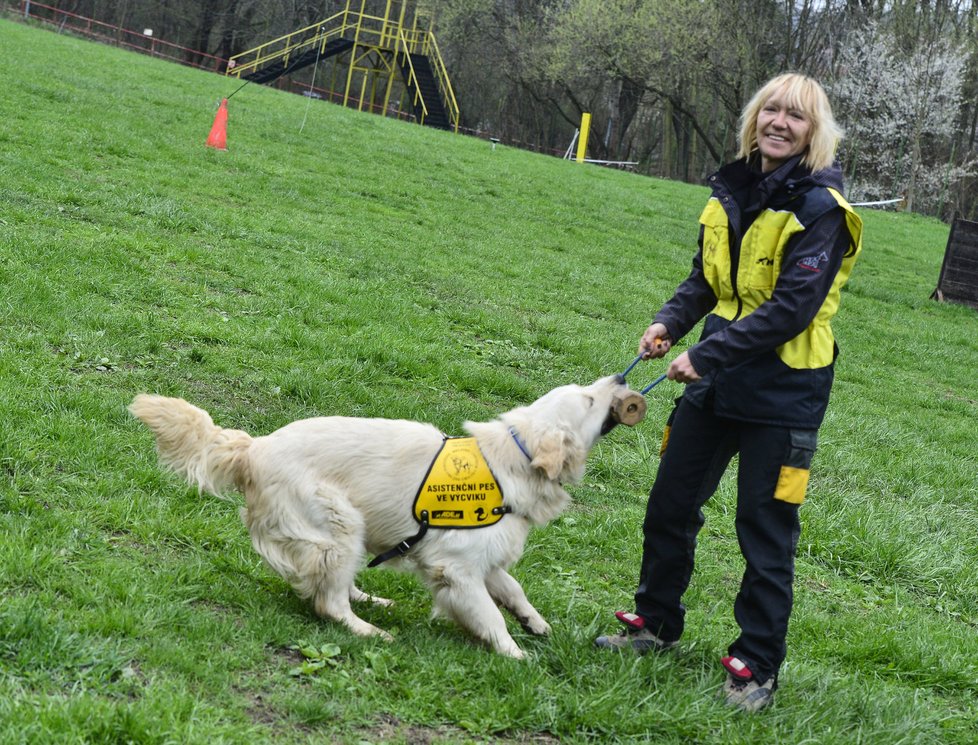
[(655, 342)]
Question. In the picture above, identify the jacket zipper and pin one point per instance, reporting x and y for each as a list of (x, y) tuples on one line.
[(726, 200)]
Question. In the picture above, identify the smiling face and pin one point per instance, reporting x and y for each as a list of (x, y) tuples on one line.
[(783, 131)]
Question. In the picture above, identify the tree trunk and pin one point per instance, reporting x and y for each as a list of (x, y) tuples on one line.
[(202, 34)]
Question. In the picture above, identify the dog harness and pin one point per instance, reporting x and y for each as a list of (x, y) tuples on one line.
[(459, 491)]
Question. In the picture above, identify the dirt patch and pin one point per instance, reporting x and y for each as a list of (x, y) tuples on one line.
[(389, 729), (260, 712)]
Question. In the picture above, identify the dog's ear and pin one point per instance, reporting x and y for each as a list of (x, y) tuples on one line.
[(555, 452)]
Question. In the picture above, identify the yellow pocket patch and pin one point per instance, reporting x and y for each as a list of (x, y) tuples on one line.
[(792, 484), (665, 441)]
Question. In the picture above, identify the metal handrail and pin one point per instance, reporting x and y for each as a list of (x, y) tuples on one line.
[(407, 41), (344, 21), (237, 66), (413, 76), (441, 73)]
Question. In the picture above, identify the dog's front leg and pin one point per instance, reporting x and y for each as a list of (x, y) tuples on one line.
[(464, 598), (506, 591), (359, 596)]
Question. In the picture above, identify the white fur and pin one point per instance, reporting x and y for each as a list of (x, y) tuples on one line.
[(323, 493)]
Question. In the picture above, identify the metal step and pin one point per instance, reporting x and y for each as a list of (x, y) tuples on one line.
[(281, 66)]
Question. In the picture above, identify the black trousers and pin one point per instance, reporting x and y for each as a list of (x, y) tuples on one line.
[(771, 479)]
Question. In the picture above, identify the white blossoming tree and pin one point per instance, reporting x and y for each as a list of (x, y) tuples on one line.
[(900, 109)]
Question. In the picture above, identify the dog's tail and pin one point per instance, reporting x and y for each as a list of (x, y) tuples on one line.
[(189, 443)]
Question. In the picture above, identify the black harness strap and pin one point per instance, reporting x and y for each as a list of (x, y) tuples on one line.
[(404, 546)]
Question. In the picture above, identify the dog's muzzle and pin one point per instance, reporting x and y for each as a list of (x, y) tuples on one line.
[(627, 407), (609, 424)]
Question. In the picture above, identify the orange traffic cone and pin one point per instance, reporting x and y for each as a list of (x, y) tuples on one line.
[(218, 138)]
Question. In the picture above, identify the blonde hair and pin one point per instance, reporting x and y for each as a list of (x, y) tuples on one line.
[(805, 94)]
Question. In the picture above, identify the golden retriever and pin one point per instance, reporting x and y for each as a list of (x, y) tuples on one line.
[(321, 493)]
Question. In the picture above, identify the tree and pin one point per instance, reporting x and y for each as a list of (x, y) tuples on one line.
[(665, 80), (899, 106)]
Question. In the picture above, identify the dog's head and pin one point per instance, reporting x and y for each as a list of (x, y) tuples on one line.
[(560, 428)]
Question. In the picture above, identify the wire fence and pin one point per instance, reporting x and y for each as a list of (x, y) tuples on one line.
[(64, 21), (144, 42)]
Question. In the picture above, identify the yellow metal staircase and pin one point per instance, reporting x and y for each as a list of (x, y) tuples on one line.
[(376, 50)]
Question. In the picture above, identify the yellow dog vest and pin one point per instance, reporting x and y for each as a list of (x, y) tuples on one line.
[(459, 490)]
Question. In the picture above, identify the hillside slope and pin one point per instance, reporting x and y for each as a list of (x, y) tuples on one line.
[(339, 262)]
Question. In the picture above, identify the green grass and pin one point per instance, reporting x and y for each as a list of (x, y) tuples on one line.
[(369, 267)]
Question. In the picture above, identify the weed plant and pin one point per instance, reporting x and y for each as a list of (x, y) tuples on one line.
[(368, 267)]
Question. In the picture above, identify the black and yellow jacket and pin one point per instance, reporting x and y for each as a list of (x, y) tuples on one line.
[(775, 250)]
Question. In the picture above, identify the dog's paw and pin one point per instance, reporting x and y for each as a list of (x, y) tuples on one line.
[(378, 632), (359, 596), (361, 628), (515, 652), (535, 625)]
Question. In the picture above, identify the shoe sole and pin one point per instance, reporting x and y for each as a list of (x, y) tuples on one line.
[(749, 701), (640, 647)]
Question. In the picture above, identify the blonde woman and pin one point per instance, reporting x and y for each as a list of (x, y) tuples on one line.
[(777, 242)]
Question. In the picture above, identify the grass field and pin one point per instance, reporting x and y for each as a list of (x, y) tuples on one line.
[(368, 267)]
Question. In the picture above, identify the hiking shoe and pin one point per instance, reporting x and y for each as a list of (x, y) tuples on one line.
[(634, 636), (741, 690)]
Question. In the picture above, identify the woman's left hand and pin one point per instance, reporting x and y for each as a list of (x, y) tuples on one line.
[(681, 370)]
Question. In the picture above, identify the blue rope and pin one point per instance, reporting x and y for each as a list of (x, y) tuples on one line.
[(631, 366), (653, 384)]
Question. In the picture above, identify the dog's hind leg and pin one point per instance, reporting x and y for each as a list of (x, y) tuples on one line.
[(359, 596), (332, 595), (506, 591), (463, 597), (318, 550), (340, 562)]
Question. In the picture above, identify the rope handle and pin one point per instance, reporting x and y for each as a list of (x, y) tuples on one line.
[(651, 385)]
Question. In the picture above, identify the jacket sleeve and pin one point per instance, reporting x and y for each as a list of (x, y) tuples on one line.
[(808, 268), (693, 299)]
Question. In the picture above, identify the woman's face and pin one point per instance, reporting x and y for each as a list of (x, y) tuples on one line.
[(782, 132)]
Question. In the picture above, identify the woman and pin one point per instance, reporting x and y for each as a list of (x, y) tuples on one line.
[(777, 242)]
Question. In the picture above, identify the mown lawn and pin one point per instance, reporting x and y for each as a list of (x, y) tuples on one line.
[(370, 267)]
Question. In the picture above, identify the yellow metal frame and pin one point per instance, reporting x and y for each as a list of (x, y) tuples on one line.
[(378, 43)]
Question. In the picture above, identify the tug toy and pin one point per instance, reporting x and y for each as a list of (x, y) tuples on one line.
[(629, 408)]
